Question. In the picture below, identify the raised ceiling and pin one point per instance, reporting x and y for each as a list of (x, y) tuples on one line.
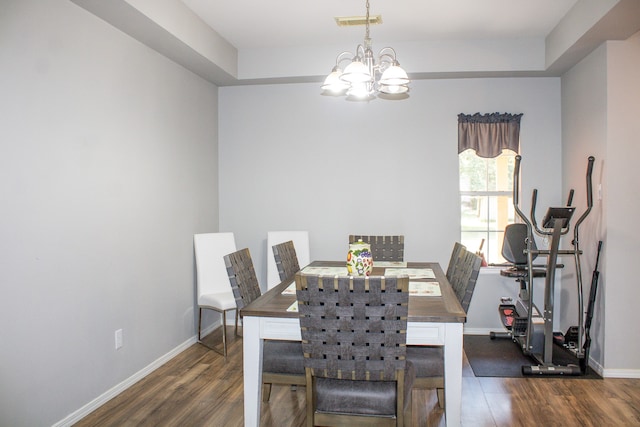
[(295, 23), (280, 41)]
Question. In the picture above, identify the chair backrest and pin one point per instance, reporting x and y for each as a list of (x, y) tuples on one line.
[(353, 327), (383, 248), (515, 242), (301, 242), (211, 274), (286, 259), (456, 253), (242, 277), (465, 276)]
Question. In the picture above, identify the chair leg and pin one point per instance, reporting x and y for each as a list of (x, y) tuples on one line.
[(236, 331), (266, 392), (408, 414), (224, 333), (440, 392)]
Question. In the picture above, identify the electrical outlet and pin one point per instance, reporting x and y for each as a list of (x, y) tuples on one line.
[(119, 341)]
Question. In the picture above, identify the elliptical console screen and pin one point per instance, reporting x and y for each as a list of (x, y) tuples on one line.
[(563, 213)]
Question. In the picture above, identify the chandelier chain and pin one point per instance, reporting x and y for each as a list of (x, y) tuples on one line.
[(367, 23)]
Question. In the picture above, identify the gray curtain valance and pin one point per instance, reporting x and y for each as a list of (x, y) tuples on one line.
[(489, 134)]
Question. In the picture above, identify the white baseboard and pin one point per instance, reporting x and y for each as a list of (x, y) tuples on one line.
[(621, 373), (478, 331), (76, 416)]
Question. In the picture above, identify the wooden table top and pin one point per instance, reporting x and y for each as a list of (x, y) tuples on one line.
[(441, 309)]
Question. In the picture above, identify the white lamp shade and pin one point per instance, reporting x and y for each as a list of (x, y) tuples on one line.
[(334, 84), (394, 76), (356, 72)]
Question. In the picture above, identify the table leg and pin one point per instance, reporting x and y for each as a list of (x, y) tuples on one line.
[(252, 366), (453, 373)]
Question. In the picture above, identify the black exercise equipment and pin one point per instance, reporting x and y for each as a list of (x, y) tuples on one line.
[(530, 328), (584, 361)]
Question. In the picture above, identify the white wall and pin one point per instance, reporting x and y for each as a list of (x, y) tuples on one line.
[(108, 167), (600, 110), (292, 159)]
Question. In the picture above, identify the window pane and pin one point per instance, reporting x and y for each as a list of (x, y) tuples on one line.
[(501, 172), (474, 213), (491, 248), (472, 240), (473, 172), (500, 212)]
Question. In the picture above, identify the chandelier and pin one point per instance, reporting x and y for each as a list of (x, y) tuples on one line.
[(364, 78)]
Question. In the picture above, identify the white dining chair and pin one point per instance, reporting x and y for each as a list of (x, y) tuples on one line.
[(213, 289), (300, 242)]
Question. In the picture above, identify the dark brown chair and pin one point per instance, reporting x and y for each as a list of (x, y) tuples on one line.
[(383, 248), (286, 259), (281, 360), (428, 361), (456, 254), (354, 341), (464, 277)]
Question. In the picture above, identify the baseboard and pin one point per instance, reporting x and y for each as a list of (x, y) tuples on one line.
[(621, 373), (478, 331), (76, 416)]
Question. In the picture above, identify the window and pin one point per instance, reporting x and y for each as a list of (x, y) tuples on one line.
[(486, 201)]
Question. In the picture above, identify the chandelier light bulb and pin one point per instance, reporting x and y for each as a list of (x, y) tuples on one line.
[(394, 89)]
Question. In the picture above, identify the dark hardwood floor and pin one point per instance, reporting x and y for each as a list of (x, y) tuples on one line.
[(200, 388)]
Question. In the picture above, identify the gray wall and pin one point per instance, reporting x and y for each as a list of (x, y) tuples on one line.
[(292, 159), (600, 117), (108, 166)]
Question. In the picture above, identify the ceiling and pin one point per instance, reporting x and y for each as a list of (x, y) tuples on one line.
[(243, 42), (295, 23)]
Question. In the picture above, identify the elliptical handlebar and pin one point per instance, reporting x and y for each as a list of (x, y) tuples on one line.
[(532, 224), (589, 200), (516, 192)]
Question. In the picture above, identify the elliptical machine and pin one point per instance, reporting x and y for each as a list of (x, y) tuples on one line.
[(531, 329)]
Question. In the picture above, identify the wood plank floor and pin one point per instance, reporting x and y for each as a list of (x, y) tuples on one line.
[(200, 388)]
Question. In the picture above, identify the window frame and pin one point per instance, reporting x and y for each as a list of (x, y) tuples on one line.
[(493, 255)]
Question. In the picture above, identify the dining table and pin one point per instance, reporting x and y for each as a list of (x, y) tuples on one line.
[(435, 318)]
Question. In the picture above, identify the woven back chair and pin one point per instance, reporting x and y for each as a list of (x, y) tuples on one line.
[(456, 254), (354, 341), (281, 360), (300, 239), (286, 259), (464, 277), (428, 361), (242, 277), (383, 248)]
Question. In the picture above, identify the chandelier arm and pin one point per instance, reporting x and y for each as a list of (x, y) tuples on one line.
[(344, 56), (384, 52)]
